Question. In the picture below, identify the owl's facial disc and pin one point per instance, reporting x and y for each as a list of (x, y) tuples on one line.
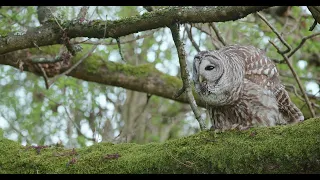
[(202, 78), (210, 70)]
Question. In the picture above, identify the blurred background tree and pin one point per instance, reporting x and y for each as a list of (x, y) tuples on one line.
[(78, 113)]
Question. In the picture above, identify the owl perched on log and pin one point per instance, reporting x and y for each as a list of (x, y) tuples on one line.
[(242, 89)]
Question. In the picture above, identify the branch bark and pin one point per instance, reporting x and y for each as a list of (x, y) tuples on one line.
[(50, 33), (142, 78), (185, 75)]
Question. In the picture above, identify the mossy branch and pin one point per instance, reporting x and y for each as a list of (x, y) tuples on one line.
[(50, 33), (144, 78), (289, 149)]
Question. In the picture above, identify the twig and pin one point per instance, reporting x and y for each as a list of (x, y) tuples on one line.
[(34, 43), (46, 60), (185, 74), (69, 116), (278, 35), (57, 21), (303, 78), (297, 79), (213, 26), (119, 46), (302, 42), (74, 66), (195, 45), (115, 43), (294, 91), (311, 96), (105, 27), (143, 109), (45, 77), (313, 25), (82, 14), (209, 34)]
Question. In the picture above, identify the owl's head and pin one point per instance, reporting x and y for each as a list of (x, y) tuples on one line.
[(218, 77)]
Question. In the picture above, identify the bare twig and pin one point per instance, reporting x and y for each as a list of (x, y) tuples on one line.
[(311, 96), (82, 14), (303, 78), (120, 51), (45, 77), (57, 21), (105, 27), (73, 122), (302, 42), (185, 74), (115, 43), (209, 34), (195, 45), (74, 66), (213, 26), (294, 91), (34, 43), (313, 25), (297, 79), (46, 60), (278, 35)]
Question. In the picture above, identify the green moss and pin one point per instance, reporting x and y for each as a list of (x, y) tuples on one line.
[(281, 149), (172, 81), (142, 70), (51, 50)]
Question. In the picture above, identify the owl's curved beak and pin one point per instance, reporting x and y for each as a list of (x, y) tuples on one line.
[(201, 79)]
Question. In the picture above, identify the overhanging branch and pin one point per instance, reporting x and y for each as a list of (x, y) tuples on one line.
[(50, 33)]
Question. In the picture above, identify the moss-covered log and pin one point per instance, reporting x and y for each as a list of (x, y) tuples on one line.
[(281, 149)]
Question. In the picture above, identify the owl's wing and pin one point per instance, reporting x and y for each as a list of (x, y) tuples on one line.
[(260, 70)]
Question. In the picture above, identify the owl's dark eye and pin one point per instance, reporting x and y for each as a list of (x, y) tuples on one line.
[(209, 68)]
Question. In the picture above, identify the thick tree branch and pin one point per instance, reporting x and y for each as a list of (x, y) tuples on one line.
[(143, 78), (50, 33)]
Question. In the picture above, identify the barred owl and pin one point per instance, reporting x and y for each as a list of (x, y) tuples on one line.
[(242, 89)]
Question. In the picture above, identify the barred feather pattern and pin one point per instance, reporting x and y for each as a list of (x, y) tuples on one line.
[(242, 89)]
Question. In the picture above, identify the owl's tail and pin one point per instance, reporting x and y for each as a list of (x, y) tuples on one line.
[(289, 110)]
